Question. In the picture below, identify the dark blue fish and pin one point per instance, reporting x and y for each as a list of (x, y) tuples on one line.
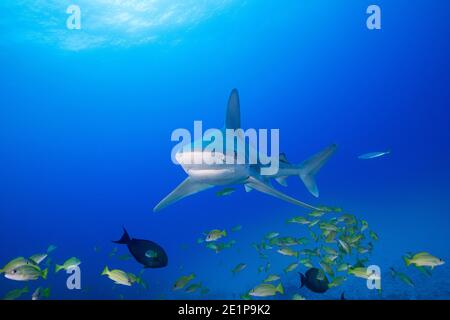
[(315, 280), (146, 252)]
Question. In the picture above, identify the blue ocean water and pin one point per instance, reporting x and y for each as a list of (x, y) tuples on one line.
[(86, 120)]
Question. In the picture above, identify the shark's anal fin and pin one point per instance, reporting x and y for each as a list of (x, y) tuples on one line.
[(282, 181), (265, 188), (186, 188)]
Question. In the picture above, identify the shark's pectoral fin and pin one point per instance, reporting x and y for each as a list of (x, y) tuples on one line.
[(186, 188), (265, 188), (247, 188)]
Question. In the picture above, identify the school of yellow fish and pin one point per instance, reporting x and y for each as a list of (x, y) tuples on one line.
[(337, 243)]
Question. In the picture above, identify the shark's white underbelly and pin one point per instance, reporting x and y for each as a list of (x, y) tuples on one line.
[(224, 176)]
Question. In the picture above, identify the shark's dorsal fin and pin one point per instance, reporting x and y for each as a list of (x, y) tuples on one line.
[(233, 117)]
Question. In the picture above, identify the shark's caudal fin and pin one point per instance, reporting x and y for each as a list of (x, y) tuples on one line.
[(233, 117), (311, 166), (263, 187), (186, 188)]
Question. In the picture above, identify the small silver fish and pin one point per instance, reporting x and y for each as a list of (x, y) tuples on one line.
[(373, 155)]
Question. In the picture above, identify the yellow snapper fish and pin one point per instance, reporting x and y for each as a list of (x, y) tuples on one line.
[(238, 268), (330, 236), (246, 296), (313, 223), (355, 239), (364, 225), (403, 277), (344, 246), (113, 252), (306, 262), (336, 282), (134, 278), (15, 263), (236, 228), (266, 290), (316, 214), (68, 264), (423, 259), (331, 259), (215, 235), (343, 267), (291, 267), (361, 272), (300, 220), (313, 236), (213, 246), (330, 209), (288, 252), (41, 293), (225, 192), (26, 273), (183, 281), (51, 248), (329, 250), (271, 278), (328, 227), (327, 268), (193, 287), (272, 235), (118, 276), (311, 253), (15, 294), (38, 258)]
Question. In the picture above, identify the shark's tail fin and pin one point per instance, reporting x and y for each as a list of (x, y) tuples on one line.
[(311, 166)]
